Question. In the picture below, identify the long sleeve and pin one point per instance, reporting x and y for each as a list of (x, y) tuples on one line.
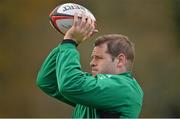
[(109, 92), (47, 80)]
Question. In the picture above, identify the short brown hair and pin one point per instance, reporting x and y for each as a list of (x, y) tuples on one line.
[(116, 44)]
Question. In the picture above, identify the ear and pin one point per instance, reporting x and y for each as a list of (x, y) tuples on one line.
[(121, 60)]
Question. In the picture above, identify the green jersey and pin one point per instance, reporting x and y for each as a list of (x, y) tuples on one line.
[(105, 95)]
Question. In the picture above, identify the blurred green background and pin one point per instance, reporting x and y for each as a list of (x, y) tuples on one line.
[(26, 38)]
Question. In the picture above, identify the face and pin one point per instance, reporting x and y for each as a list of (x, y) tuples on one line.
[(102, 62)]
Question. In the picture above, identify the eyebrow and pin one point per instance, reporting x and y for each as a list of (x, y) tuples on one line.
[(96, 56)]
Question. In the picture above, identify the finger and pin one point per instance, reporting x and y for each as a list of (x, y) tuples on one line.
[(83, 20), (89, 34), (93, 32), (93, 27), (88, 30), (75, 23), (89, 21), (88, 26)]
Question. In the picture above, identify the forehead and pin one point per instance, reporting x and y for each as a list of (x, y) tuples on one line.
[(100, 50)]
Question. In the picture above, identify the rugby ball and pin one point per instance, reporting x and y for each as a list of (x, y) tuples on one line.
[(61, 18)]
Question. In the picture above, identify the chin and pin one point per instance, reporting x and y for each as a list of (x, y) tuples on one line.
[(94, 74)]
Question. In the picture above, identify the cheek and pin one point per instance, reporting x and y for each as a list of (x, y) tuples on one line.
[(106, 66)]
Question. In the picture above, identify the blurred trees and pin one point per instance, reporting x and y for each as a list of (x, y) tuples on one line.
[(176, 9), (26, 38)]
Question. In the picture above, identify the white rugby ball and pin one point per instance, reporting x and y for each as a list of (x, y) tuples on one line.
[(61, 18)]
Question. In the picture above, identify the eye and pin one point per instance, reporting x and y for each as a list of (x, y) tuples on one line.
[(99, 57), (96, 57)]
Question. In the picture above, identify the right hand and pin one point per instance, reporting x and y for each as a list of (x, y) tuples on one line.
[(81, 29)]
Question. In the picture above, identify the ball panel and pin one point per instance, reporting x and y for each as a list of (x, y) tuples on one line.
[(62, 23)]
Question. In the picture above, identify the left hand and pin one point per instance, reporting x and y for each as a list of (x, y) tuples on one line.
[(81, 29)]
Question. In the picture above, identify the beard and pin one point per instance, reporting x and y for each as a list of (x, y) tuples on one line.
[(94, 73)]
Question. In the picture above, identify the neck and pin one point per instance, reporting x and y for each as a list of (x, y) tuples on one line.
[(122, 70)]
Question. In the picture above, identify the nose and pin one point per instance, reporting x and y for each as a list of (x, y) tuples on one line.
[(92, 63)]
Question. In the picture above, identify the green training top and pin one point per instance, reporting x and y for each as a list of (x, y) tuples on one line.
[(105, 95)]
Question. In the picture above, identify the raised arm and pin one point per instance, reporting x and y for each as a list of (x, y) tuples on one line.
[(46, 79)]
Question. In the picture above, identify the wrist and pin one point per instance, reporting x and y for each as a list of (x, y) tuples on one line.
[(71, 41), (70, 37), (67, 36)]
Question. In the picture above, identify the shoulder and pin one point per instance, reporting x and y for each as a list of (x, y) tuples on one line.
[(125, 82)]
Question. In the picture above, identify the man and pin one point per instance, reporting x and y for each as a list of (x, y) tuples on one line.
[(110, 91)]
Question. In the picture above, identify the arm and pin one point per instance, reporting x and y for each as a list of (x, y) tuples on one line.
[(46, 79)]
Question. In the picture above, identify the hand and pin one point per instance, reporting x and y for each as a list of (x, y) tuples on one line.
[(81, 29)]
